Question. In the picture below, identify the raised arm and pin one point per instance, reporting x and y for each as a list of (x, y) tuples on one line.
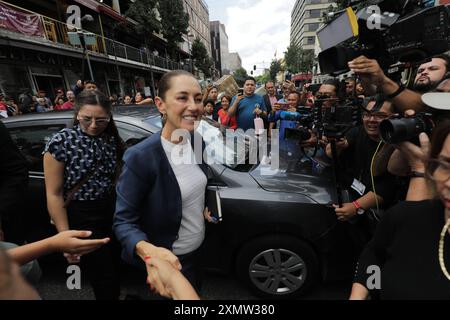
[(233, 109)]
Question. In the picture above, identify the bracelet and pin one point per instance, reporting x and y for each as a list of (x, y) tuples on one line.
[(356, 204), (416, 174), (400, 89)]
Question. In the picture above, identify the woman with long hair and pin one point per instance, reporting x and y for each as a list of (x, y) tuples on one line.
[(81, 165)]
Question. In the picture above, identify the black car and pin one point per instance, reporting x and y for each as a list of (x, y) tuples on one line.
[(279, 233)]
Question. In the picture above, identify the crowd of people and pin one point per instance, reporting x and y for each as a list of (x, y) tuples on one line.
[(63, 100), (157, 213)]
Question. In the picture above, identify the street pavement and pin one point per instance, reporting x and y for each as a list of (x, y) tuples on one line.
[(52, 286)]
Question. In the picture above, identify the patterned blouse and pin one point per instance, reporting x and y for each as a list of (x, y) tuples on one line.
[(80, 153)]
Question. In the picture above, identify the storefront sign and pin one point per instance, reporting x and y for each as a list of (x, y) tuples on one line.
[(22, 22)]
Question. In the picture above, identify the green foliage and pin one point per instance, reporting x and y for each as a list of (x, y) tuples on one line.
[(275, 68), (144, 13), (262, 79), (201, 59), (174, 23), (239, 75), (298, 59)]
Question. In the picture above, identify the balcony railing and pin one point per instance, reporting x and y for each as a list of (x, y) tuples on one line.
[(56, 32)]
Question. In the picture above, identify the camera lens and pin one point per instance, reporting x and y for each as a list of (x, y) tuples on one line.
[(400, 130)]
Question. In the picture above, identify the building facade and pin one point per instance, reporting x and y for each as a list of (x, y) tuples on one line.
[(198, 24), (37, 51), (306, 19), (219, 44), (232, 61)]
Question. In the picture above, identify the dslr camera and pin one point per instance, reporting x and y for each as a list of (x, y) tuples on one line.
[(398, 130)]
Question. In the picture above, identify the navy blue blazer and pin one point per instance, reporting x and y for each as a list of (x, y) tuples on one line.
[(149, 205)]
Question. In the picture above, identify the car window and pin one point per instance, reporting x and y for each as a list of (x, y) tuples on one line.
[(130, 134), (31, 142)]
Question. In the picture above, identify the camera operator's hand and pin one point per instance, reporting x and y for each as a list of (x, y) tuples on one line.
[(311, 143), (368, 70), (345, 213), (341, 145), (416, 156)]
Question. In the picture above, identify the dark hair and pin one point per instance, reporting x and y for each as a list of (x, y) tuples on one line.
[(440, 134), (340, 89), (249, 79), (299, 95), (444, 57), (209, 101), (228, 97), (265, 85), (97, 98), (90, 82), (166, 81)]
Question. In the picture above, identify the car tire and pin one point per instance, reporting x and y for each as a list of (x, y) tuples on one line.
[(277, 266)]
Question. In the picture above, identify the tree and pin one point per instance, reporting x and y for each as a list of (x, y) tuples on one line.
[(292, 57), (275, 68), (299, 60), (174, 23), (239, 75), (201, 59), (144, 12), (262, 79)]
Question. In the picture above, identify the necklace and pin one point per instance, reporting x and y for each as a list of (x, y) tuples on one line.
[(441, 250)]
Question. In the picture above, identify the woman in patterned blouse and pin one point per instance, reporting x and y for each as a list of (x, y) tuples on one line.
[(81, 165)]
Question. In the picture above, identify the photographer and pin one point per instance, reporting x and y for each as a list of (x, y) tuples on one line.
[(429, 74), (411, 244), (398, 163), (357, 151)]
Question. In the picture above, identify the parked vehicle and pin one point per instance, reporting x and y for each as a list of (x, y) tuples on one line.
[(279, 234)]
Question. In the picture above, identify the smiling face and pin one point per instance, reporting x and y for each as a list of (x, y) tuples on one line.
[(182, 104), (372, 120), (138, 97), (225, 103)]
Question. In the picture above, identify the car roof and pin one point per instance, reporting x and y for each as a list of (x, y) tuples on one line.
[(132, 114)]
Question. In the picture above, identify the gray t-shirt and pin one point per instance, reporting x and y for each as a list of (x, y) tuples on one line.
[(192, 182)]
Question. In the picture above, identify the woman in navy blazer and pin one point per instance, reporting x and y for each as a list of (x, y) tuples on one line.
[(158, 201)]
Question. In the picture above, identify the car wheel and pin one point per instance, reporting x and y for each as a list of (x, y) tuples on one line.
[(277, 267)]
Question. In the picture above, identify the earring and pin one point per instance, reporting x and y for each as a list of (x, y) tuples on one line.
[(164, 116)]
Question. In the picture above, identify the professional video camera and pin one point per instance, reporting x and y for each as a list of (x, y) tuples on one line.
[(336, 120), (390, 31), (305, 120)]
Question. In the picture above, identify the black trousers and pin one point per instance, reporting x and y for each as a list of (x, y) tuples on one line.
[(101, 266)]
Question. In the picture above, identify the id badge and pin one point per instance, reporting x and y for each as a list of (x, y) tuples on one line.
[(359, 187)]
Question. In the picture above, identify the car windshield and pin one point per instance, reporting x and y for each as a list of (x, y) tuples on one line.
[(227, 147)]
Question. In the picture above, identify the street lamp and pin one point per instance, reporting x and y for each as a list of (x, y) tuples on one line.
[(83, 39)]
